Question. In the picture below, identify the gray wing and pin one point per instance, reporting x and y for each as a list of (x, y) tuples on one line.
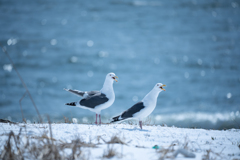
[(81, 93), (91, 93), (94, 100), (131, 111)]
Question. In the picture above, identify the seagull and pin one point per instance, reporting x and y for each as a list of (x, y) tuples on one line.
[(143, 108), (96, 101)]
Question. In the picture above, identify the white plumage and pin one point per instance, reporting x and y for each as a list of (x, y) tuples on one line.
[(143, 108), (96, 101)]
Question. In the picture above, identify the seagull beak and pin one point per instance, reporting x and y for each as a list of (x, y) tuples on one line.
[(163, 86), (115, 78)]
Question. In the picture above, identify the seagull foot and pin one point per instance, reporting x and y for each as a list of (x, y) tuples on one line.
[(100, 120), (140, 124), (96, 119)]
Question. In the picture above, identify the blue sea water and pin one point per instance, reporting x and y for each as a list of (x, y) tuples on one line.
[(192, 46)]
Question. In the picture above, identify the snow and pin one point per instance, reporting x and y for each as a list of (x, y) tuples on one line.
[(139, 143)]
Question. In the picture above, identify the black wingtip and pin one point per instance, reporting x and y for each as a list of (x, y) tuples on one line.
[(115, 119), (71, 104)]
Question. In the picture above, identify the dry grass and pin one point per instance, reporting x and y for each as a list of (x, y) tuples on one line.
[(18, 147), (114, 140), (167, 153), (110, 152), (213, 155), (186, 148), (149, 121), (66, 120)]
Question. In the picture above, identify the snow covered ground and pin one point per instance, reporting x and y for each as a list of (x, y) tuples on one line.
[(128, 141)]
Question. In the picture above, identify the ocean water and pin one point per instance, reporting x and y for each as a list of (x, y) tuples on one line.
[(192, 46)]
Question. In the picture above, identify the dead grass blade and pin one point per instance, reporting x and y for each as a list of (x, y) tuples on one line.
[(66, 120), (9, 151), (209, 152), (164, 152), (110, 152), (24, 120), (186, 149), (23, 83), (114, 140), (148, 121)]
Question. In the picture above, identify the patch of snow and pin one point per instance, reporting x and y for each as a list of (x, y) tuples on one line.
[(141, 144)]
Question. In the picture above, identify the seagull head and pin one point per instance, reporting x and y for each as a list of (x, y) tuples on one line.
[(112, 76), (159, 86)]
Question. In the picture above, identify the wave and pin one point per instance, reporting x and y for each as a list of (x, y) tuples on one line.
[(201, 120)]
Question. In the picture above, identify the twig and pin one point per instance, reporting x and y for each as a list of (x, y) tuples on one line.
[(114, 139), (23, 83), (24, 120), (50, 128)]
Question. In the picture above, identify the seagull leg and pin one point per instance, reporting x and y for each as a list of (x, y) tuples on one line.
[(96, 119), (140, 124), (99, 119)]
